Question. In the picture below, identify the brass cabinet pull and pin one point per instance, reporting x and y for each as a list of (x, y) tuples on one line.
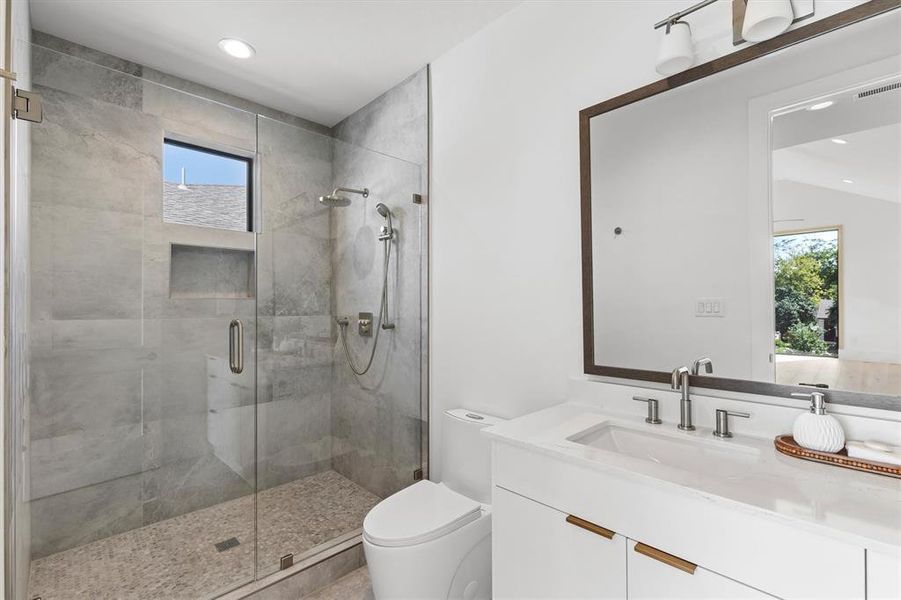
[(667, 559), (589, 526)]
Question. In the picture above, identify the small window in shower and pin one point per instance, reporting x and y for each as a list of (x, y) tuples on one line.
[(206, 187)]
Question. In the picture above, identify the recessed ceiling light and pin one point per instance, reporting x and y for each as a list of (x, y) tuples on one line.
[(821, 105), (839, 141), (847, 181), (235, 47)]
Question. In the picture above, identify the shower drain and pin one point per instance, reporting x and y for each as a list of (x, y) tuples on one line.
[(227, 544)]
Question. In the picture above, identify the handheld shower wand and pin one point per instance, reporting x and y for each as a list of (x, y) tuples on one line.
[(386, 235)]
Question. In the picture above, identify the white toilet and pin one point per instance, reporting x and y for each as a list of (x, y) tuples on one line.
[(432, 541)]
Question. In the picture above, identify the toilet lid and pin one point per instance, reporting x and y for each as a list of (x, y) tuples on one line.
[(417, 514)]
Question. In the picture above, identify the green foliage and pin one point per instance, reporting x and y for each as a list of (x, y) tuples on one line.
[(793, 306), (801, 274), (806, 339), (806, 272)]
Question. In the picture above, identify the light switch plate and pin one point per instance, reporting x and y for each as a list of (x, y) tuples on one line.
[(710, 307)]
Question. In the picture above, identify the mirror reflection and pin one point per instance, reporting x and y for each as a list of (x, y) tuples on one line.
[(772, 190), (837, 240)]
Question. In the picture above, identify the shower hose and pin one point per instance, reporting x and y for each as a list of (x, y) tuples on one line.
[(383, 308)]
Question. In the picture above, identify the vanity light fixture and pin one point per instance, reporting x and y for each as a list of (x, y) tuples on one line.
[(765, 19), (676, 51), (839, 141), (237, 48), (758, 20), (821, 105)]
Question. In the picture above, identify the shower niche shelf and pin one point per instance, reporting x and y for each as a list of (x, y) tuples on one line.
[(210, 272)]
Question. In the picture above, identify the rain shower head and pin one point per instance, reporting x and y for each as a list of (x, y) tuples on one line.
[(336, 199)]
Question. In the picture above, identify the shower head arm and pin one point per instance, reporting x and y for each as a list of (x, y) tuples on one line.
[(364, 192)]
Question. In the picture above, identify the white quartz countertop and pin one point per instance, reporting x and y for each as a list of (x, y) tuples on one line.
[(860, 508)]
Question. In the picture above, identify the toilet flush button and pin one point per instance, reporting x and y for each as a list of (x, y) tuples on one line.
[(470, 591)]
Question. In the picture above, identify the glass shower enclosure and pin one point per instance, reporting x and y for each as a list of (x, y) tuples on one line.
[(193, 424)]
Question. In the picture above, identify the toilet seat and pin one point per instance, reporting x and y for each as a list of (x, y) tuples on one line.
[(417, 514)]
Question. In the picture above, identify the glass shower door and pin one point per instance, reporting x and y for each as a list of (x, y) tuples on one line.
[(141, 451), (331, 444)]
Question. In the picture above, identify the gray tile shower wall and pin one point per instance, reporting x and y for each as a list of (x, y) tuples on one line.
[(378, 418), (136, 417), (396, 123), (114, 63), (294, 287)]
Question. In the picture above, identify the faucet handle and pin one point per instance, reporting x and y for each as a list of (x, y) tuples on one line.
[(653, 406), (722, 422)]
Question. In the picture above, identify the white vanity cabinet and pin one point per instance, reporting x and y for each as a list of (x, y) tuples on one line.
[(883, 576), (655, 575), (540, 552), (737, 552)]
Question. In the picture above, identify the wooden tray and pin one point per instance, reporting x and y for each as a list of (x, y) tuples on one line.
[(786, 444)]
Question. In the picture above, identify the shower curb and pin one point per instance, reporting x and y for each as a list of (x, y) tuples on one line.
[(306, 576)]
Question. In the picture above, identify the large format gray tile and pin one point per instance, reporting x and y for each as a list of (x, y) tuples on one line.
[(197, 119), (69, 462), (295, 169), (104, 395), (83, 78), (95, 334), (293, 438), (95, 271), (45, 40), (302, 274), (178, 488), (85, 515), (91, 154), (177, 439), (396, 123)]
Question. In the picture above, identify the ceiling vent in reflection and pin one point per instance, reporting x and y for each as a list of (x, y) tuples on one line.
[(878, 90)]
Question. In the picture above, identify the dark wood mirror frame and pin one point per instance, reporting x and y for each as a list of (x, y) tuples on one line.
[(789, 38)]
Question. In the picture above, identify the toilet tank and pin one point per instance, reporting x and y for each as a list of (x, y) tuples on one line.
[(466, 454)]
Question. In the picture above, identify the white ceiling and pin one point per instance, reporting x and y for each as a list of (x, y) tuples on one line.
[(871, 159), (321, 60)]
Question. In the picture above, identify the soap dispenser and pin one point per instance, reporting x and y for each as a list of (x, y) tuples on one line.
[(815, 430)]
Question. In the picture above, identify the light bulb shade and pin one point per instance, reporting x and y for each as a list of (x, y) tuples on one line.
[(675, 53), (765, 19)]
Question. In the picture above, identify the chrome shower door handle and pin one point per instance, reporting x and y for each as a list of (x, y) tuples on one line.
[(236, 346)]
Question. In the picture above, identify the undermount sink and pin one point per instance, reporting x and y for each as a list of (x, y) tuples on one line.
[(673, 449)]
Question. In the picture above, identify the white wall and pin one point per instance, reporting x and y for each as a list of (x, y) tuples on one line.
[(506, 323), (870, 263)]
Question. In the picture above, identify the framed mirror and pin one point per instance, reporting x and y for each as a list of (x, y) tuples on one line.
[(748, 211)]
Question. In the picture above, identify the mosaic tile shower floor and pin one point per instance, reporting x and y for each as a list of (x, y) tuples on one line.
[(177, 559)]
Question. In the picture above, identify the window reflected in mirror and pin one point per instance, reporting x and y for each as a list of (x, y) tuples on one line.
[(836, 199)]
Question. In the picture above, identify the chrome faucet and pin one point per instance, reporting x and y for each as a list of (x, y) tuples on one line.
[(702, 362), (680, 381)]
